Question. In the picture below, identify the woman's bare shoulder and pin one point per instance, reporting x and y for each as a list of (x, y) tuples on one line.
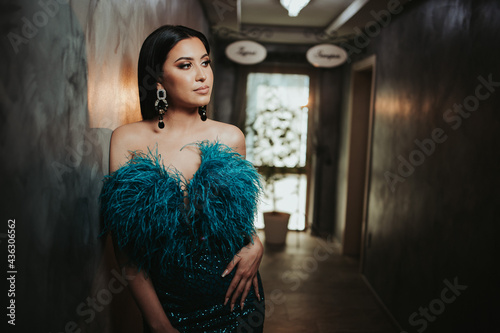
[(129, 131), (131, 136), (124, 139), (230, 135)]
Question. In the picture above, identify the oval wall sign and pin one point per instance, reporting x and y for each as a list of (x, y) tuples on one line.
[(326, 55), (246, 52)]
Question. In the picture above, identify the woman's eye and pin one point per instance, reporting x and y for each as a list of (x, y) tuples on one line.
[(185, 66), (206, 63)]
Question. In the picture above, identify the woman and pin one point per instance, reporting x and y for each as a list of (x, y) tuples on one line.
[(180, 198)]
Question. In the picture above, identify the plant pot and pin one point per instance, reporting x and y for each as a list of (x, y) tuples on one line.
[(276, 227)]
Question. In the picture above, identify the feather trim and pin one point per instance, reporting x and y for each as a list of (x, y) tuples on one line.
[(225, 191), (143, 207)]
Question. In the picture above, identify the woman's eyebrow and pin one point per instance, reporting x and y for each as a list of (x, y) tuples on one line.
[(190, 58)]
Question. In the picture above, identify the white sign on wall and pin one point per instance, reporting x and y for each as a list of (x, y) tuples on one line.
[(326, 55), (246, 52)]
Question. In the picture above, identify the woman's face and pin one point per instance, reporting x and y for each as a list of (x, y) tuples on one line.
[(187, 75)]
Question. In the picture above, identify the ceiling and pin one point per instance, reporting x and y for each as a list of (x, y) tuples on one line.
[(317, 14), (267, 21)]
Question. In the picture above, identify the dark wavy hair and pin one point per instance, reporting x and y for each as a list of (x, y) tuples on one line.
[(153, 54)]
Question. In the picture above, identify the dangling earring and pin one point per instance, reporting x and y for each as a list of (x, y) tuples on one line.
[(161, 105), (202, 110)]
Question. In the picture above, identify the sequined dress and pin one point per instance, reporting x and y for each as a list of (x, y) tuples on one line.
[(184, 233)]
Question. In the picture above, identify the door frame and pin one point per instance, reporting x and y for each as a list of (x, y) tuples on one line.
[(354, 235)]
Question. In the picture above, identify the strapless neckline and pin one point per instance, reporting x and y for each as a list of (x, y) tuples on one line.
[(171, 171)]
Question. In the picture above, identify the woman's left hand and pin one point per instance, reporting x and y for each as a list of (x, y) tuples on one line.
[(247, 261)]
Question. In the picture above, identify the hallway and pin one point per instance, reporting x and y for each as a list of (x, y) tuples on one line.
[(311, 288), (416, 163)]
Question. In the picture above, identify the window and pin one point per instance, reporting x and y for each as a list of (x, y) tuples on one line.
[(276, 139)]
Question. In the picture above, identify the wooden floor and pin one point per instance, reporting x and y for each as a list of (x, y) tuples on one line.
[(311, 288)]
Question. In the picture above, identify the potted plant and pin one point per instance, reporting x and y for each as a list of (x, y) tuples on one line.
[(275, 222)]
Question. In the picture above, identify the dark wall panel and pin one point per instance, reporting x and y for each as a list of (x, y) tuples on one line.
[(325, 148), (433, 218)]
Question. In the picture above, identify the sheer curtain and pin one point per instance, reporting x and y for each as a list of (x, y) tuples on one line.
[(276, 137)]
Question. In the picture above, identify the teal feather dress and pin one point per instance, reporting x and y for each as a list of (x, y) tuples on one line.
[(184, 233)]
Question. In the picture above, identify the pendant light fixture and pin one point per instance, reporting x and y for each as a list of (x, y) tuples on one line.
[(294, 6)]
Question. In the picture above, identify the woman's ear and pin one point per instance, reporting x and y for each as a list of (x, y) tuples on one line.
[(159, 86)]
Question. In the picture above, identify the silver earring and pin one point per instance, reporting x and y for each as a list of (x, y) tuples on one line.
[(161, 105)]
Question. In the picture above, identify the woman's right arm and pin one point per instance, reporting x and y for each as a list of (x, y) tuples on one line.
[(145, 296), (141, 287)]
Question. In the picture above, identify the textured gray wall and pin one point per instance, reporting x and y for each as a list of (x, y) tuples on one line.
[(52, 162), (439, 221), (68, 77)]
